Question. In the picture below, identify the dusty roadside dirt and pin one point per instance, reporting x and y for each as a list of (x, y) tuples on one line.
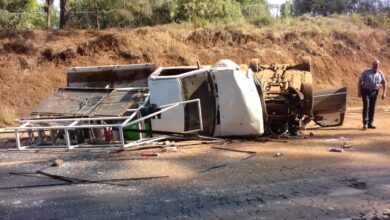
[(33, 62), (307, 182)]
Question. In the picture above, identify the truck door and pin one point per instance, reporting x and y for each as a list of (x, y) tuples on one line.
[(200, 86), (329, 107)]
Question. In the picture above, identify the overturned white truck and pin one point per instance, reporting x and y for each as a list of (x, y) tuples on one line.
[(128, 105)]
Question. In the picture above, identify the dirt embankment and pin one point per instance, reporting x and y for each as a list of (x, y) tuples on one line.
[(33, 62)]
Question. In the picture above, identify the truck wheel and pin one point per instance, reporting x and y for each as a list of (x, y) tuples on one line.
[(278, 128), (254, 65)]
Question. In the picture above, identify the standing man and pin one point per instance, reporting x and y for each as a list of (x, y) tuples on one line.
[(368, 88)]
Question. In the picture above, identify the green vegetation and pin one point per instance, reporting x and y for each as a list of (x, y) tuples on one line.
[(286, 9), (20, 13), (256, 12), (216, 11), (329, 7), (137, 13)]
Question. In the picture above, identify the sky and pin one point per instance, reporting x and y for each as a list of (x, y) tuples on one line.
[(274, 11)]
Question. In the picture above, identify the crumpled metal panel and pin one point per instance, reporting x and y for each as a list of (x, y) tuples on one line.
[(117, 103), (70, 102)]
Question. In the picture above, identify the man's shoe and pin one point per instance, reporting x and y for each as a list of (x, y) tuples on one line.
[(371, 127), (365, 127)]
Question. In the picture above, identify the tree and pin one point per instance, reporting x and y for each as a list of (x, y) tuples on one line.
[(49, 7), (24, 13), (319, 7), (285, 10), (220, 11), (252, 2), (64, 13), (95, 6), (326, 8)]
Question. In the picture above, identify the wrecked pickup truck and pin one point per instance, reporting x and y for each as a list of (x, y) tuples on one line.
[(129, 105)]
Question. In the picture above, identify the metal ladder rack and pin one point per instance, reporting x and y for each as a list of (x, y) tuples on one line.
[(70, 125)]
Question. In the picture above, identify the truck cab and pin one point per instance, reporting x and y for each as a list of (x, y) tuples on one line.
[(229, 101)]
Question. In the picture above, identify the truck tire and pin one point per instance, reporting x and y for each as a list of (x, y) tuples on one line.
[(254, 65), (306, 64)]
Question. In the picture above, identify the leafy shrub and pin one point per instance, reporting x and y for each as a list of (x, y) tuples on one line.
[(217, 11), (261, 21), (377, 20)]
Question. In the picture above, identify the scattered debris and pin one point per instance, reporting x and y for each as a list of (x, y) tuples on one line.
[(269, 139), (311, 134), (58, 163), (344, 145), (335, 149), (251, 154), (70, 180), (17, 202), (57, 177), (170, 149), (214, 167), (168, 143), (356, 184), (234, 150), (347, 146), (344, 138), (150, 154), (278, 154), (21, 162)]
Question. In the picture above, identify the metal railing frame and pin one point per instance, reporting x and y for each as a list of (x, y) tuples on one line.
[(124, 122)]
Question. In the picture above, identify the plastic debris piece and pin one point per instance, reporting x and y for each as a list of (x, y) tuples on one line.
[(347, 146), (150, 154), (278, 154), (168, 143), (170, 149), (337, 150)]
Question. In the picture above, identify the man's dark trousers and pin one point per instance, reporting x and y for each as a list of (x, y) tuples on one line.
[(369, 100)]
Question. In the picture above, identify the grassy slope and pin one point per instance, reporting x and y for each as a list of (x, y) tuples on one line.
[(33, 62)]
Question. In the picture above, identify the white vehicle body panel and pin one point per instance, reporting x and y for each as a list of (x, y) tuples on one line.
[(238, 101), (239, 104)]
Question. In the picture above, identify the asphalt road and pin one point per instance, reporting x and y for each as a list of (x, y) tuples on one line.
[(201, 182)]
